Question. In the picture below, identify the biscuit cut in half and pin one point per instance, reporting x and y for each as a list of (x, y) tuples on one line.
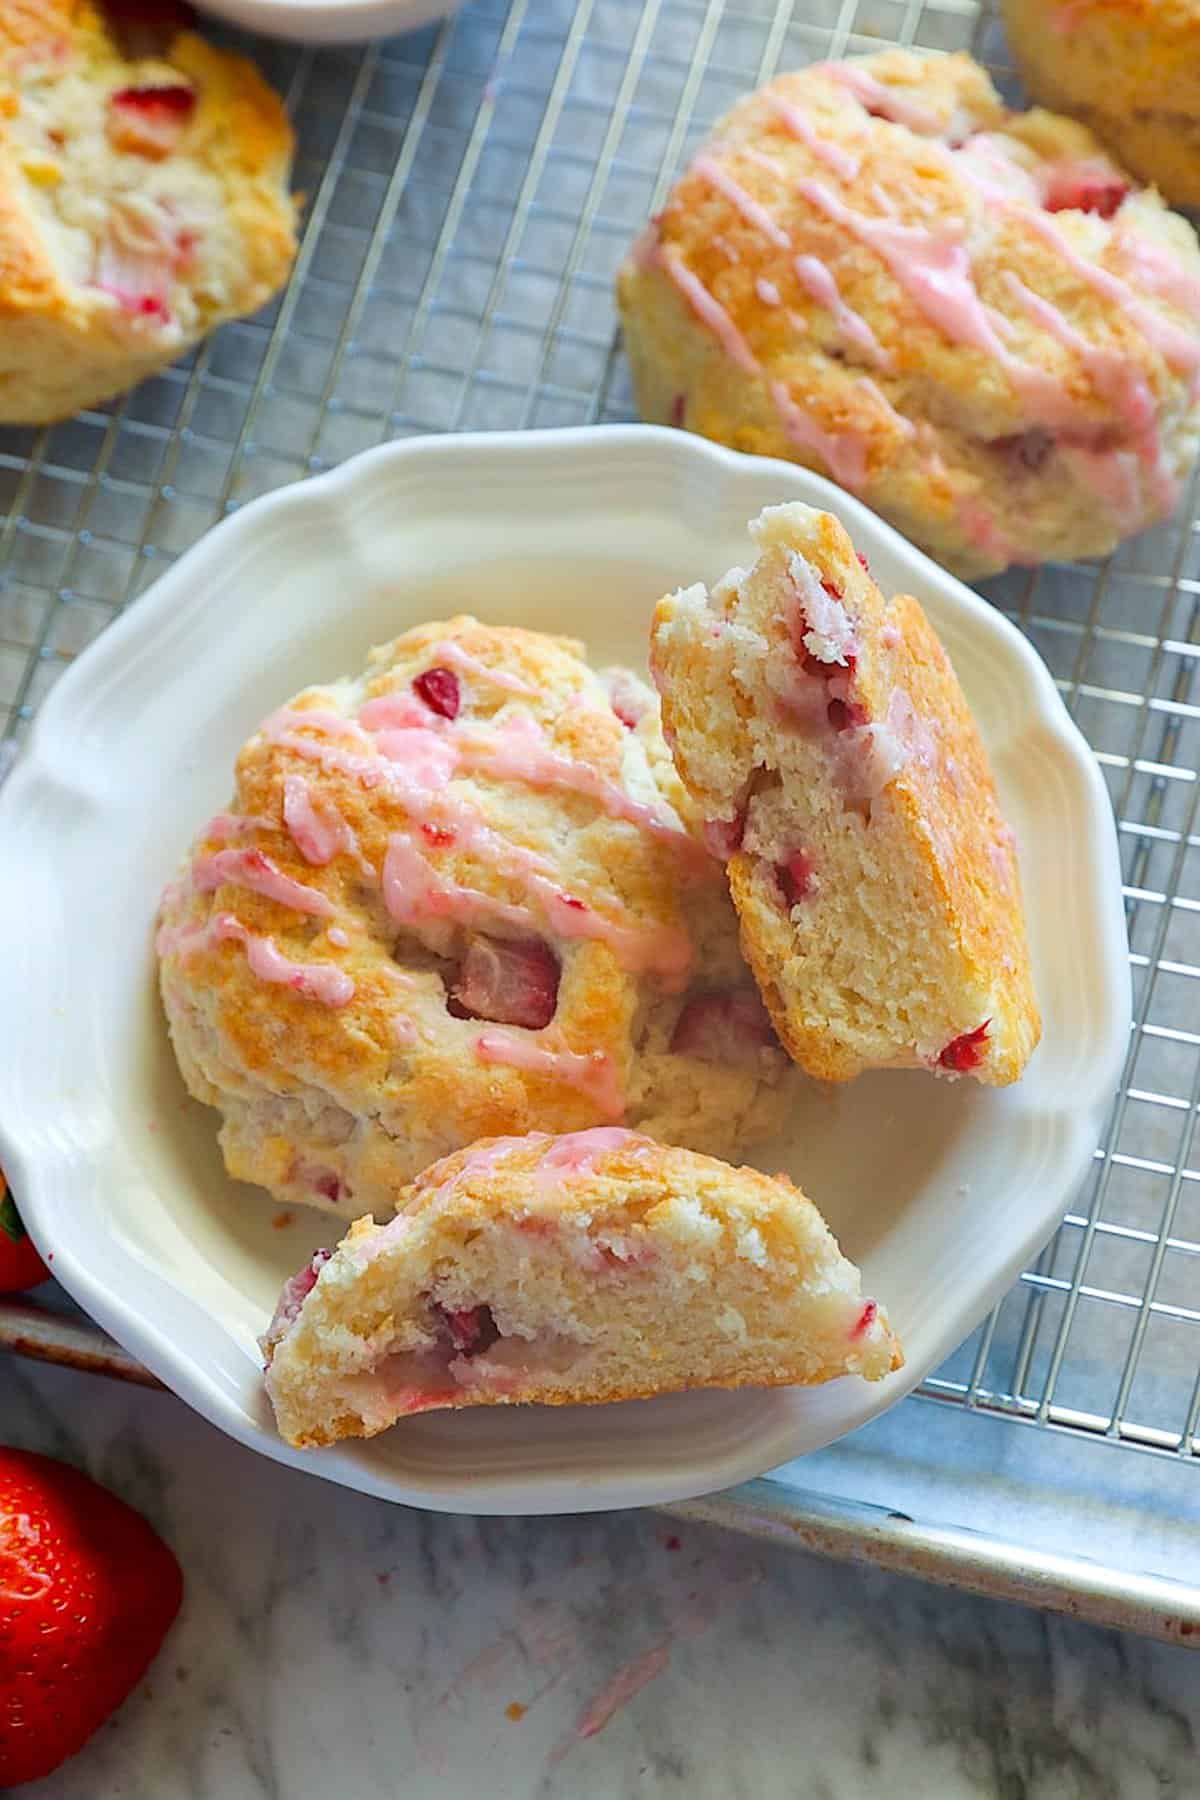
[(823, 733), (143, 198), (593, 1267)]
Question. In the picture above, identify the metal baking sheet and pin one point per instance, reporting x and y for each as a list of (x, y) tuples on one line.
[(471, 189)]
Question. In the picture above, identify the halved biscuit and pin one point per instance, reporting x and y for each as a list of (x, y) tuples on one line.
[(593, 1267), (823, 733)]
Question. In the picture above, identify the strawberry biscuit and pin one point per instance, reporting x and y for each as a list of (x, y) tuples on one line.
[(594, 1267), (453, 898), (969, 317), (1130, 69), (823, 733), (143, 198)]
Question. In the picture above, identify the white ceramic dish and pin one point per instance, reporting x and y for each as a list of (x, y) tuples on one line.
[(940, 1190), (330, 21)]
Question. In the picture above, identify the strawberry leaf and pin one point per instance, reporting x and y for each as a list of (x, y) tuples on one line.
[(10, 1220)]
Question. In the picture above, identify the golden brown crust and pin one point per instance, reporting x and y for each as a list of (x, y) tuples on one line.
[(70, 338)]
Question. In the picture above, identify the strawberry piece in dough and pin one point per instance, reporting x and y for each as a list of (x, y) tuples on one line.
[(149, 120), (508, 983), (439, 689), (1086, 189), (723, 1028), (795, 877), (965, 1052)]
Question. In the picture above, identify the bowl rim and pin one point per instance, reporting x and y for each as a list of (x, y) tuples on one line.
[(345, 22), (164, 604)]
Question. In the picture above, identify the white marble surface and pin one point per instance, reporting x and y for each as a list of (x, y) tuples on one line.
[(331, 1644)]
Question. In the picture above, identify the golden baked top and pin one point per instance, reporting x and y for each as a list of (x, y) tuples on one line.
[(936, 299), (454, 898)]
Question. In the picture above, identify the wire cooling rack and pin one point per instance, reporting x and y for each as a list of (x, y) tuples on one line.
[(471, 190)]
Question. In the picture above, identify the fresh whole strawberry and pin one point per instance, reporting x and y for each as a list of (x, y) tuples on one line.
[(87, 1591), (20, 1264)]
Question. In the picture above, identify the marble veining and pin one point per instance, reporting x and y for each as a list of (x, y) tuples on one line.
[(332, 1644)]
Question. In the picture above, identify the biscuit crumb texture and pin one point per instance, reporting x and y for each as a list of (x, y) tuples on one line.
[(822, 733), (143, 199), (594, 1267)]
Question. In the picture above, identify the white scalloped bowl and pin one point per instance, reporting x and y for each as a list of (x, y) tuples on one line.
[(940, 1190)]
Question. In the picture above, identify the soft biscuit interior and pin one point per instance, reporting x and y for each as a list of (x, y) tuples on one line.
[(592, 1267), (122, 163), (823, 733)]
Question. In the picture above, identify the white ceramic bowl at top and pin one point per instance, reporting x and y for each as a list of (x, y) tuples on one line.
[(330, 21), (939, 1190)]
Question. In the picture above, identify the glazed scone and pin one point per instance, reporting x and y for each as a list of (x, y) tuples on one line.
[(1129, 69), (143, 199), (966, 316), (455, 898), (593, 1267), (823, 732)]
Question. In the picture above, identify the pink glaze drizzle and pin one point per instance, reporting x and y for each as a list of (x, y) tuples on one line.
[(797, 125), (315, 981), (594, 1074), (987, 161), (767, 292), (254, 870), (1117, 377), (845, 453), (869, 757), (575, 1152), (932, 267), (752, 210), (1181, 349), (418, 762), (456, 657), (1111, 474), (889, 102), (393, 711), (319, 832), (421, 762), (415, 893), (283, 728), (1158, 270), (518, 750), (709, 311), (818, 283)]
